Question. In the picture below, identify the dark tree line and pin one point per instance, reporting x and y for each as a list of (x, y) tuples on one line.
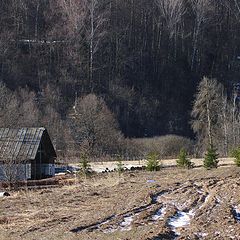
[(144, 58)]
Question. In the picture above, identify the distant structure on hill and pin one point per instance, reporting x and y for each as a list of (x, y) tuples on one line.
[(26, 153)]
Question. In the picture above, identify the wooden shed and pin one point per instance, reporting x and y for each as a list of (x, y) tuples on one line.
[(26, 153)]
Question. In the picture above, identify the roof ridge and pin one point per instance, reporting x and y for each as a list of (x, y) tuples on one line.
[(14, 128)]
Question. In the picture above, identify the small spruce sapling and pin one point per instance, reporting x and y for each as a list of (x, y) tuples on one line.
[(120, 165), (84, 165), (183, 160), (236, 154), (211, 158), (152, 162)]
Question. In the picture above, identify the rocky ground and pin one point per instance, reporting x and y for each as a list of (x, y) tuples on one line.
[(169, 204)]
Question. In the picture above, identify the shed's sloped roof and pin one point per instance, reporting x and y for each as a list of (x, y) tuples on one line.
[(21, 143)]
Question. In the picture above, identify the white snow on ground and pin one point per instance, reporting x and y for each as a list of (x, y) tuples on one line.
[(202, 234), (100, 169), (181, 219), (159, 214), (125, 225), (200, 191), (218, 200), (102, 223), (237, 213), (206, 200)]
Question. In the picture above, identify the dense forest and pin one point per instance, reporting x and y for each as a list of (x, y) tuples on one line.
[(139, 61)]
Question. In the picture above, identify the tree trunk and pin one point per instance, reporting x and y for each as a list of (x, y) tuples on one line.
[(91, 45), (209, 125)]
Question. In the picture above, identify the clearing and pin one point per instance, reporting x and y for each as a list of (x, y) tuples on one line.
[(169, 204)]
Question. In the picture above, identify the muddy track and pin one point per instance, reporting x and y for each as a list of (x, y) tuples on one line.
[(175, 209), (120, 221), (162, 207)]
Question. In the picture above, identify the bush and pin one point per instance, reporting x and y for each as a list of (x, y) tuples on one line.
[(167, 146), (236, 154), (152, 162), (183, 160), (211, 158)]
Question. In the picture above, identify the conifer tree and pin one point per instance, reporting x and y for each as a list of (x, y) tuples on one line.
[(183, 160), (120, 165), (152, 162), (236, 154), (84, 165), (211, 158)]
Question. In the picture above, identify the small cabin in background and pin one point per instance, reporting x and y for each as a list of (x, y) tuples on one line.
[(26, 153)]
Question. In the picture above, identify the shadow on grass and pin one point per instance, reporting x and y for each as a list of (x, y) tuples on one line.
[(93, 226)]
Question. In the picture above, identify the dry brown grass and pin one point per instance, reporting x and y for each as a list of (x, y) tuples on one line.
[(198, 162), (53, 213)]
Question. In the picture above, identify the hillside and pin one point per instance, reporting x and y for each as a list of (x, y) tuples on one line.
[(144, 58)]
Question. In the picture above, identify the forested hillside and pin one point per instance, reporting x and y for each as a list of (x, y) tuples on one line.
[(143, 59)]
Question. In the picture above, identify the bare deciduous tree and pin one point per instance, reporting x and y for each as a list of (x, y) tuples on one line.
[(172, 11), (17, 108), (224, 122), (95, 125), (233, 6), (75, 11), (87, 20), (201, 8), (27, 112), (8, 107)]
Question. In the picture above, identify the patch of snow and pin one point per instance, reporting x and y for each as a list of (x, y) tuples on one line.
[(126, 222), (102, 223), (205, 201), (202, 234), (181, 219), (218, 200), (100, 169), (109, 230), (159, 214), (200, 191), (125, 225), (236, 213)]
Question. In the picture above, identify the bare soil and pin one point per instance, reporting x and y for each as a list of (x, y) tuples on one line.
[(137, 205)]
